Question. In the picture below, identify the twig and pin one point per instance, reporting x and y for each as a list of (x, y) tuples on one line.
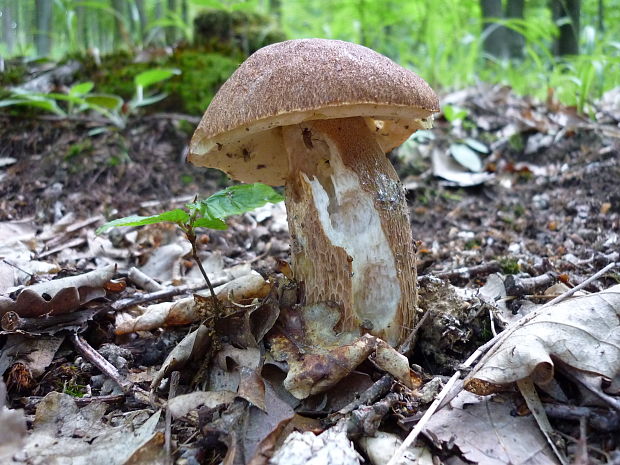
[(143, 280), (413, 435), (100, 362), (174, 383), (486, 348), (517, 286), (378, 389), (164, 294), (408, 343), (12, 322), (465, 272), (30, 403)]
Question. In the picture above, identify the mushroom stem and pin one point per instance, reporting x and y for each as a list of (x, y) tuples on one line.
[(349, 224)]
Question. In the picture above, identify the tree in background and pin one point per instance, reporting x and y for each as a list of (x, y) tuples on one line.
[(566, 15), (43, 27), (501, 41)]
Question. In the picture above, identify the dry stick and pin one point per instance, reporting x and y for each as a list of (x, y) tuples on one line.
[(174, 383), (97, 359), (164, 294), (413, 435), (407, 344)]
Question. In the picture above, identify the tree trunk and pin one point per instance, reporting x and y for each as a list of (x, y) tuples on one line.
[(142, 19), (184, 11), (275, 10), (601, 16), (43, 26), (120, 34), (171, 32), (83, 36), (8, 26), (494, 43), (514, 39), (566, 14)]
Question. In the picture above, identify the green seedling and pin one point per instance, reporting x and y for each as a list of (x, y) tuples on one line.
[(208, 213), (80, 98)]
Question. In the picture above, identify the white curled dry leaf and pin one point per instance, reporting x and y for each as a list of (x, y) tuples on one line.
[(186, 311), (58, 296), (583, 333), (12, 428)]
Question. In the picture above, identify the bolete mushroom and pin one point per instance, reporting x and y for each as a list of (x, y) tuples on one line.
[(318, 117)]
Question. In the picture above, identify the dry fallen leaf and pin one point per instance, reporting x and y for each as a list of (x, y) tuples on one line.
[(582, 332), (63, 433), (12, 428), (486, 433), (187, 310), (58, 296)]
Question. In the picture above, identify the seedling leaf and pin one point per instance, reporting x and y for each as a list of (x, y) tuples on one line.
[(211, 223), (178, 216), (236, 200), (82, 88), (153, 76)]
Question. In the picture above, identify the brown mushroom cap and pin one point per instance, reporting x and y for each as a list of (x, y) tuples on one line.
[(301, 80)]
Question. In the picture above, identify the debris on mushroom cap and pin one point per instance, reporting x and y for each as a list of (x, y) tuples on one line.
[(300, 80)]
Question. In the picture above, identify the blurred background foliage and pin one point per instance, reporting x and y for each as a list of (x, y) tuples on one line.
[(569, 49)]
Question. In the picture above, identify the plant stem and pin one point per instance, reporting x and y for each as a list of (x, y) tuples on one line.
[(191, 237)]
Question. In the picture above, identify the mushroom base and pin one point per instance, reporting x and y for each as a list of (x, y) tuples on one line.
[(349, 223)]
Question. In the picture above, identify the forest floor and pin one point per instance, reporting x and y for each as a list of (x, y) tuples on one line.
[(545, 203)]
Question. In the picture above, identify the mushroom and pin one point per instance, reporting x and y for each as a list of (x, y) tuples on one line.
[(318, 117)]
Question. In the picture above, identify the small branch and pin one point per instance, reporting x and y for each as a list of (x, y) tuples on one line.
[(143, 280), (485, 349), (377, 390), (100, 362), (174, 384), (164, 294), (12, 322), (465, 272), (409, 342), (518, 287)]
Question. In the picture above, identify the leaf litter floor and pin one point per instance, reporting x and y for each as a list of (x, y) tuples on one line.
[(551, 202)]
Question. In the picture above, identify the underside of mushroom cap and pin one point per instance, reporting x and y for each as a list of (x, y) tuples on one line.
[(301, 80)]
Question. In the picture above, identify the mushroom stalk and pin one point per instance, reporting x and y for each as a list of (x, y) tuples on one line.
[(349, 224)]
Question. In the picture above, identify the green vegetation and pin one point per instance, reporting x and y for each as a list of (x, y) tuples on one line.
[(509, 265), (207, 213), (80, 98), (445, 42)]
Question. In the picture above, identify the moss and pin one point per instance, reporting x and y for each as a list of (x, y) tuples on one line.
[(202, 75), (237, 31), (509, 265), (13, 74)]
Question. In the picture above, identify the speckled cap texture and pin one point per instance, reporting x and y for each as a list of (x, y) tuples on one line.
[(293, 81), (299, 75)]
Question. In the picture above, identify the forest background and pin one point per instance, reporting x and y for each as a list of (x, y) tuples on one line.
[(568, 47)]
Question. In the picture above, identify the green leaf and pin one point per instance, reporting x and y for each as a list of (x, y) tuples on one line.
[(453, 113), (45, 104), (178, 216), (81, 88), (236, 200), (153, 76), (109, 102), (211, 223)]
